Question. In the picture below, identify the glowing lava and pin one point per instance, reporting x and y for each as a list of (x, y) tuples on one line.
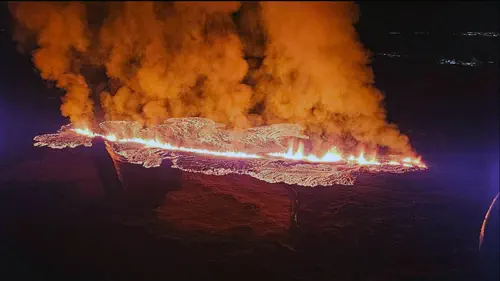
[(331, 156), (157, 144), (225, 150)]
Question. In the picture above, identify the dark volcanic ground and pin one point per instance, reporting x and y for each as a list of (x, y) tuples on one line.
[(64, 218)]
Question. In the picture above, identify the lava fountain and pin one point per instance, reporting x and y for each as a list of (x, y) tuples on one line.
[(200, 145)]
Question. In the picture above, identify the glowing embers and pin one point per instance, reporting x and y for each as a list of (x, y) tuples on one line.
[(201, 146)]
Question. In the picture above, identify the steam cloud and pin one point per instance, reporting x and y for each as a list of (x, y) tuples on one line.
[(240, 64)]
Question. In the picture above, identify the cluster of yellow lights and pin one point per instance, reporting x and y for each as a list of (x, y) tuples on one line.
[(331, 156)]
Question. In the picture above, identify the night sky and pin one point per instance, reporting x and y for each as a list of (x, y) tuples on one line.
[(436, 16), (445, 16)]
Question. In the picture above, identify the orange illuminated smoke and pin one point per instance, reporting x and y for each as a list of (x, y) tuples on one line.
[(215, 146)]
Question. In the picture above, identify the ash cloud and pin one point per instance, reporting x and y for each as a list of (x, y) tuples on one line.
[(240, 64)]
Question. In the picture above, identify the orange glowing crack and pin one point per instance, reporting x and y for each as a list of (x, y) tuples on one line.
[(167, 146), (331, 156)]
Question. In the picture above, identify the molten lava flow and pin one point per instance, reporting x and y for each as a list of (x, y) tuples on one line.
[(331, 156), (157, 144), (361, 160), (150, 146)]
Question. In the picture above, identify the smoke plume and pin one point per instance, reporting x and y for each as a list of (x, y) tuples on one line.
[(60, 30), (240, 64), (315, 73)]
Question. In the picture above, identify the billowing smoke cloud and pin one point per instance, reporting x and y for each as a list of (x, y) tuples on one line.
[(238, 64), (175, 60), (60, 30), (315, 73)]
